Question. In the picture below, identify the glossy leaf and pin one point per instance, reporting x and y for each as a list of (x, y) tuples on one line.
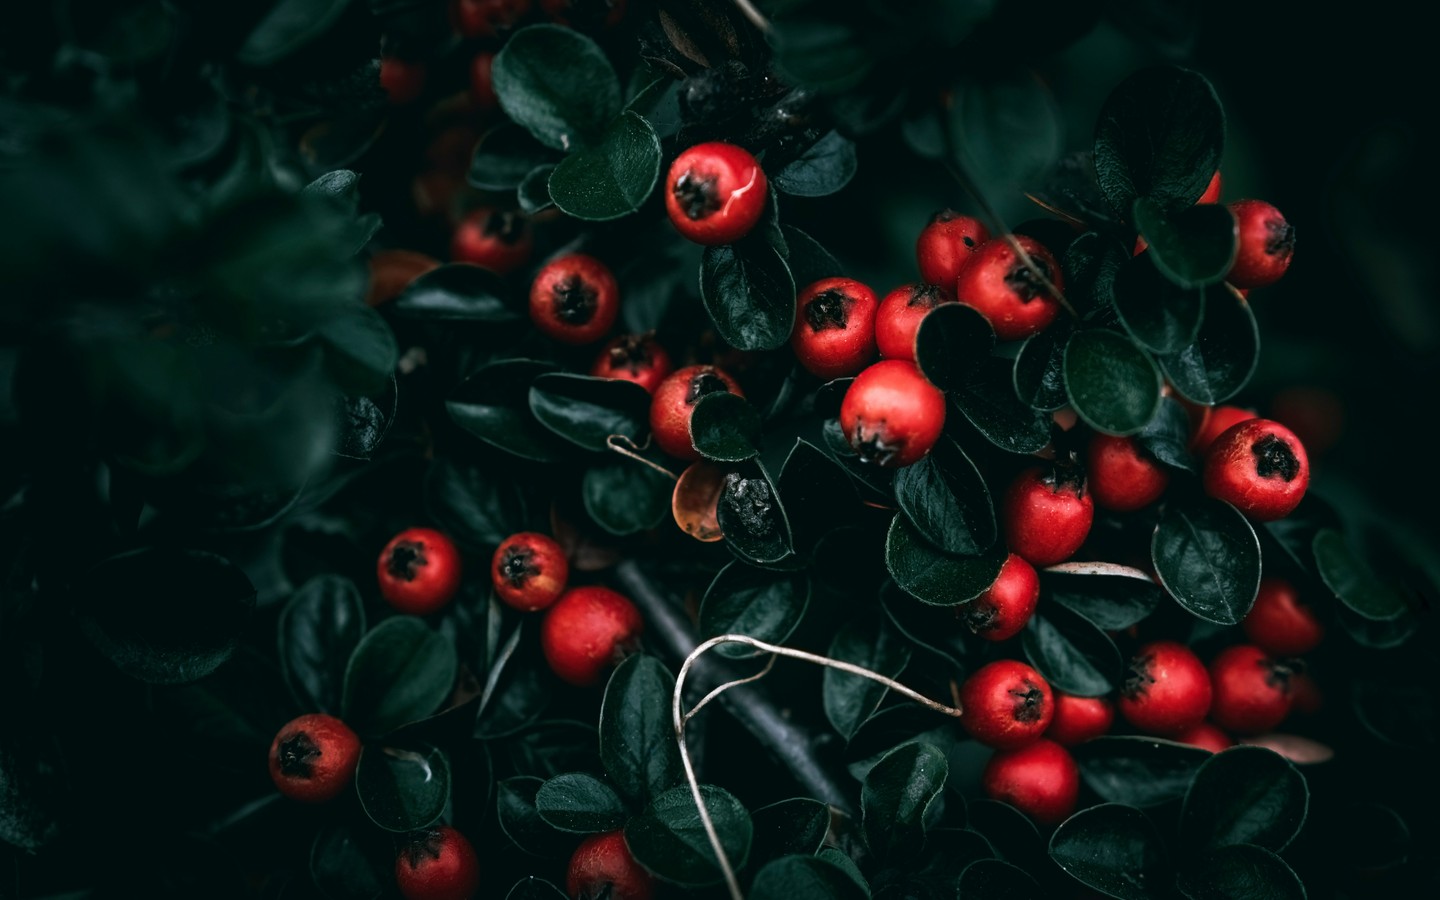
[(637, 737), (793, 877), (612, 178), (993, 879), (1040, 368), (933, 577), (797, 825), (669, 839), (809, 262), (557, 83), (819, 496), (988, 400), (504, 156), (579, 802), (724, 427), (532, 888), (318, 630), (403, 788), (953, 341), (521, 822), (1354, 582), (456, 292), (1114, 597), (1167, 437), (850, 699), (533, 193), (1115, 850), (762, 604), (1241, 871), (826, 167), (1245, 795), (946, 499), (587, 410), (749, 293), (348, 862), (626, 497), (1072, 653), (1111, 383), (1223, 357), (1192, 247), (1208, 558), (475, 505), (1137, 770), (1160, 315), (401, 672), (896, 798)]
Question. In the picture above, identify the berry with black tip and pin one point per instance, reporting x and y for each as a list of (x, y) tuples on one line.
[(438, 863), (891, 415), (1046, 513), (1252, 690), (1080, 719), (496, 239), (529, 571), (1006, 704), (587, 631), (834, 333), (715, 193), (574, 299), (1265, 245), (1003, 610), (897, 321), (634, 357), (1259, 467), (674, 403), (1168, 690), (313, 758), (602, 868), (1017, 299), (1122, 475), (1041, 780), (419, 571), (946, 244)]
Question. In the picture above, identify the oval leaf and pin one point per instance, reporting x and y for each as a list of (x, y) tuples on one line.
[(1112, 383), (989, 402), (1113, 597), (851, 699), (896, 797), (290, 25), (669, 839), (626, 497), (557, 83), (1040, 368), (458, 291), (931, 576), (1245, 795), (346, 862), (1243, 871), (725, 427), (581, 803), (794, 877), (1223, 357), (504, 156), (823, 169), (1004, 128), (400, 673), (532, 888), (403, 788), (809, 262), (1071, 652), (952, 342), (613, 178), (319, 628), (1115, 850), (1193, 247), (587, 410), (1208, 558), (1167, 437), (1160, 315), (749, 293), (993, 879), (797, 825), (819, 496), (637, 736), (762, 604), (1352, 580), (1138, 771), (521, 822), (752, 517), (947, 501)]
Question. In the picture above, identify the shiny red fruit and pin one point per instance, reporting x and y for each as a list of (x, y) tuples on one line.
[(891, 415), (587, 631), (1041, 780), (1017, 300), (402, 79), (1122, 475), (834, 334), (419, 571), (1079, 719), (437, 864), (1206, 736), (313, 758), (715, 193), (898, 319), (1265, 247), (1279, 623), (1006, 704), (603, 867), (486, 18), (1005, 607), (1212, 190), (1215, 421), (634, 357), (1252, 691), (946, 244), (529, 571), (1046, 514), (574, 299), (674, 404), (494, 239), (1260, 467), (1168, 691)]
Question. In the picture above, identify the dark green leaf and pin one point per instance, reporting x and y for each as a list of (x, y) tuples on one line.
[(931, 628), (845, 864), (319, 629), (532, 888), (796, 877), (164, 616), (823, 169), (587, 410), (1208, 557), (403, 788), (990, 403), (1160, 315), (1192, 248), (1040, 368), (1004, 127), (669, 839), (33, 784), (948, 851), (1138, 771), (494, 405), (290, 25), (346, 862), (637, 736), (1112, 383), (1296, 532), (749, 293), (896, 798), (1245, 795), (797, 825), (1160, 135), (1008, 830), (1092, 263), (1354, 582), (1399, 711), (361, 349), (809, 262), (521, 822), (534, 192), (752, 517), (1115, 850), (581, 803), (818, 495), (1222, 359), (612, 178), (1240, 872), (475, 505), (504, 156), (1114, 597), (458, 291), (1376, 837), (933, 577), (725, 427), (557, 83), (992, 879), (850, 699), (762, 604), (947, 501), (1167, 437), (626, 497), (1071, 652), (953, 341), (400, 673), (819, 51)]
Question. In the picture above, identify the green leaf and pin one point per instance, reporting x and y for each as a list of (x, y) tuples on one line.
[(400, 673), (290, 25), (762, 604), (797, 825), (749, 293), (1111, 383), (1136, 770), (819, 496), (725, 427), (458, 291), (637, 736), (669, 839), (1167, 437), (993, 879), (1354, 582), (612, 178), (826, 167), (580, 803), (532, 888), (626, 497), (1240, 872), (752, 517), (362, 349), (988, 400), (946, 499), (933, 577), (1207, 556), (352, 862), (505, 156), (1005, 128), (34, 789), (403, 788), (557, 83), (318, 630), (1008, 830), (164, 616), (1092, 263), (1160, 315), (1223, 357), (1192, 247), (896, 798), (493, 404), (1160, 135), (1072, 653), (1245, 795), (845, 864), (587, 410), (1040, 368), (809, 262), (952, 342), (521, 822), (1115, 850), (817, 51), (534, 192), (796, 877), (851, 699), (1112, 596), (475, 505)]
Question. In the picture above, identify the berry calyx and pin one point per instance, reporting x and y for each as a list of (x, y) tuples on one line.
[(1215, 421), (1122, 475), (898, 319), (486, 18), (313, 758), (1259, 467), (1206, 736), (1265, 245), (574, 299), (437, 864), (674, 403), (418, 571), (529, 571), (715, 193), (634, 357), (834, 333), (1006, 703), (1079, 719), (402, 79), (1252, 691), (1017, 300), (1046, 513), (494, 239), (1168, 690), (891, 415), (1002, 611), (1279, 623), (946, 244), (588, 630), (602, 868), (1041, 780)]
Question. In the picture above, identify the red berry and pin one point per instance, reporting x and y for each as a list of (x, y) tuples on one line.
[(585, 13), (891, 415), (486, 18), (1279, 623), (402, 79), (1168, 691), (1122, 475), (391, 272), (1006, 704), (313, 758), (498, 240), (945, 246), (674, 404), (1079, 719), (1013, 298), (715, 193), (419, 571), (1258, 466), (1306, 697), (1212, 190), (482, 81), (834, 333), (603, 867), (898, 319), (634, 357), (1006, 605), (1265, 246), (574, 299), (1206, 736), (1040, 780), (1214, 421), (529, 571), (588, 630), (1046, 514), (1252, 691), (437, 864)]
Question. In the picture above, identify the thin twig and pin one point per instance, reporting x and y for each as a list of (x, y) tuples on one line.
[(756, 17), (614, 442), (769, 664)]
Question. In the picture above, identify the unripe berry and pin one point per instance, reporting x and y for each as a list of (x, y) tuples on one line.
[(494, 239), (437, 864), (945, 246), (1017, 300), (1265, 246), (1046, 514), (602, 867), (634, 357), (897, 321), (1259, 467), (313, 758), (418, 571), (1215, 421), (1206, 736), (1168, 691), (1122, 475), (1279, 623), (588, 630), (529, 571), (834, 333), (674, 404), (891, 415), (574, 299), (1252, 691), (1006, 704), (1002, 611), (1041, 780), (1079, 719), (715, 193)]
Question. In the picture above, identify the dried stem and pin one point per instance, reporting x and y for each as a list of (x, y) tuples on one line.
[(756, 17), (619, 442)]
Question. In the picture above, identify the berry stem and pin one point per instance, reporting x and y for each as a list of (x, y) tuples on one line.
[(619, 442), (756, 17)]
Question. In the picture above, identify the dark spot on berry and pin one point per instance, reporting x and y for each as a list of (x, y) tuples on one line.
[(828, 309), (406, 559), (749, 500), (969, 241), (506, 226), (1029, 704), (1274, 458), (697, 194), (423, 846), (872, 446), (977, 616), (704, 383), (631, 352), (1065, 475), (1139, 677), (1279, 237), (574, 300), (298, 754), (926, 295), (1027, 283), (518, 566)]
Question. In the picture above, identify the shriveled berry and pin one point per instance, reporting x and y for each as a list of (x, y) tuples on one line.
[(1003, 610), (587, 631), (674, 403), (834, 333), (1006, 704), (1259, 467), (574, 299), (529, 571), (891, 415), (419, 571), (313, 758), (1168, 690), (1041, 780)]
